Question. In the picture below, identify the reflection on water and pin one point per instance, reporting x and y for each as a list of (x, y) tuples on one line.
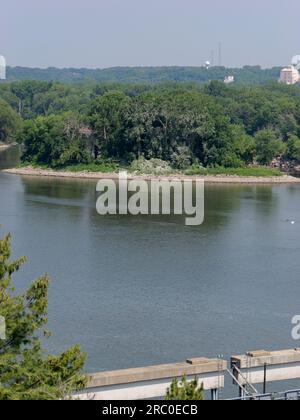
[(10, 158)]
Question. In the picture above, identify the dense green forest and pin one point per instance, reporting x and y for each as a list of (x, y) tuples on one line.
[(183, 126), (246, 75)]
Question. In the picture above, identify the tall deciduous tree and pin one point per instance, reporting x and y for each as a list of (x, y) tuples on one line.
[(268, 146), (10, 123), (293, 148), (56, 140)]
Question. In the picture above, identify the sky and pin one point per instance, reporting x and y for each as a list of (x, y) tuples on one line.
[(108, 33)]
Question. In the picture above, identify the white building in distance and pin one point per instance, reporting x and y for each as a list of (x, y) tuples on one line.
[(289, 75), (2, 68), (228, 80)]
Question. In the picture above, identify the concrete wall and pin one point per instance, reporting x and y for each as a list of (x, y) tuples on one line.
[(274, 366), (153, 381)]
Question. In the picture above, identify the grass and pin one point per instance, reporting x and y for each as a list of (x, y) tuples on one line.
[(33, 165), (111, 167), (258, 171), (105, 167)]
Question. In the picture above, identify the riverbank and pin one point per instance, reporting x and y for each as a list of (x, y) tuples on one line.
[(225, 179), (5, 147)]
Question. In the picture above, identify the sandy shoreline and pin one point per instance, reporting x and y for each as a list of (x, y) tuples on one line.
[(5, 146), (220, 179)]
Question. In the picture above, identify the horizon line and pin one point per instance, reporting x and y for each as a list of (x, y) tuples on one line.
[(143, 67)]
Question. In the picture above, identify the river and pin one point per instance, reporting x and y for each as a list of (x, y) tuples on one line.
[(135, 291)]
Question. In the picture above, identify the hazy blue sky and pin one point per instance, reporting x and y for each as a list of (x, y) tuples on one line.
[(105, 33)]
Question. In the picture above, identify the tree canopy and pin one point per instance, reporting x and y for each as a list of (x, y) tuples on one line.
[(10, 123), (182, 124), (246, 75)]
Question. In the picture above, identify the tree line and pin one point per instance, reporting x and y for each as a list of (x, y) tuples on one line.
[(182, 124), (247, 75)]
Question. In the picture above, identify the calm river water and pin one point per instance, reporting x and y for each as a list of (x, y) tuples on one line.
[(135, 291)]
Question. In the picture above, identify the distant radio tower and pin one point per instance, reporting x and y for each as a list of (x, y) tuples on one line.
[(212, 58), (220, 54)]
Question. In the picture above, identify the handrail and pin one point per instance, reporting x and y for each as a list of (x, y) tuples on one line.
[(246, 380), (238, 383)]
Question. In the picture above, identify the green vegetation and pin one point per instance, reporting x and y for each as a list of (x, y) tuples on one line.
[(220, 170), (268, 146), (293, 148), (27, 372), (185, 390), (10, 123), (159, 128), (246, 75)]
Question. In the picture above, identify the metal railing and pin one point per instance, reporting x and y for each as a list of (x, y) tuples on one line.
[(275, 396)]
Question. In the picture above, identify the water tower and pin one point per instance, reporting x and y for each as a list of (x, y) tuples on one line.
[(2, 68), (296, 61)]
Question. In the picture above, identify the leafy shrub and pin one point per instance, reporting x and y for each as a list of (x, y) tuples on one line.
[(184, 390), (152, 166), (293, 148), (268, 146), (181, 158)]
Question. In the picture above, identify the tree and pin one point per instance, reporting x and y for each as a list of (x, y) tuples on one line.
[(216, 88), (56, 140), (293, 148), (106, 117), (268, 146), (27, 372), (244, 145), (10, 123), (26, 91), (180, 123), (185, 390)]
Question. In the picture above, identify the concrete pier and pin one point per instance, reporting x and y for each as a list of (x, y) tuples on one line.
[(262, 366), (153, 381)]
